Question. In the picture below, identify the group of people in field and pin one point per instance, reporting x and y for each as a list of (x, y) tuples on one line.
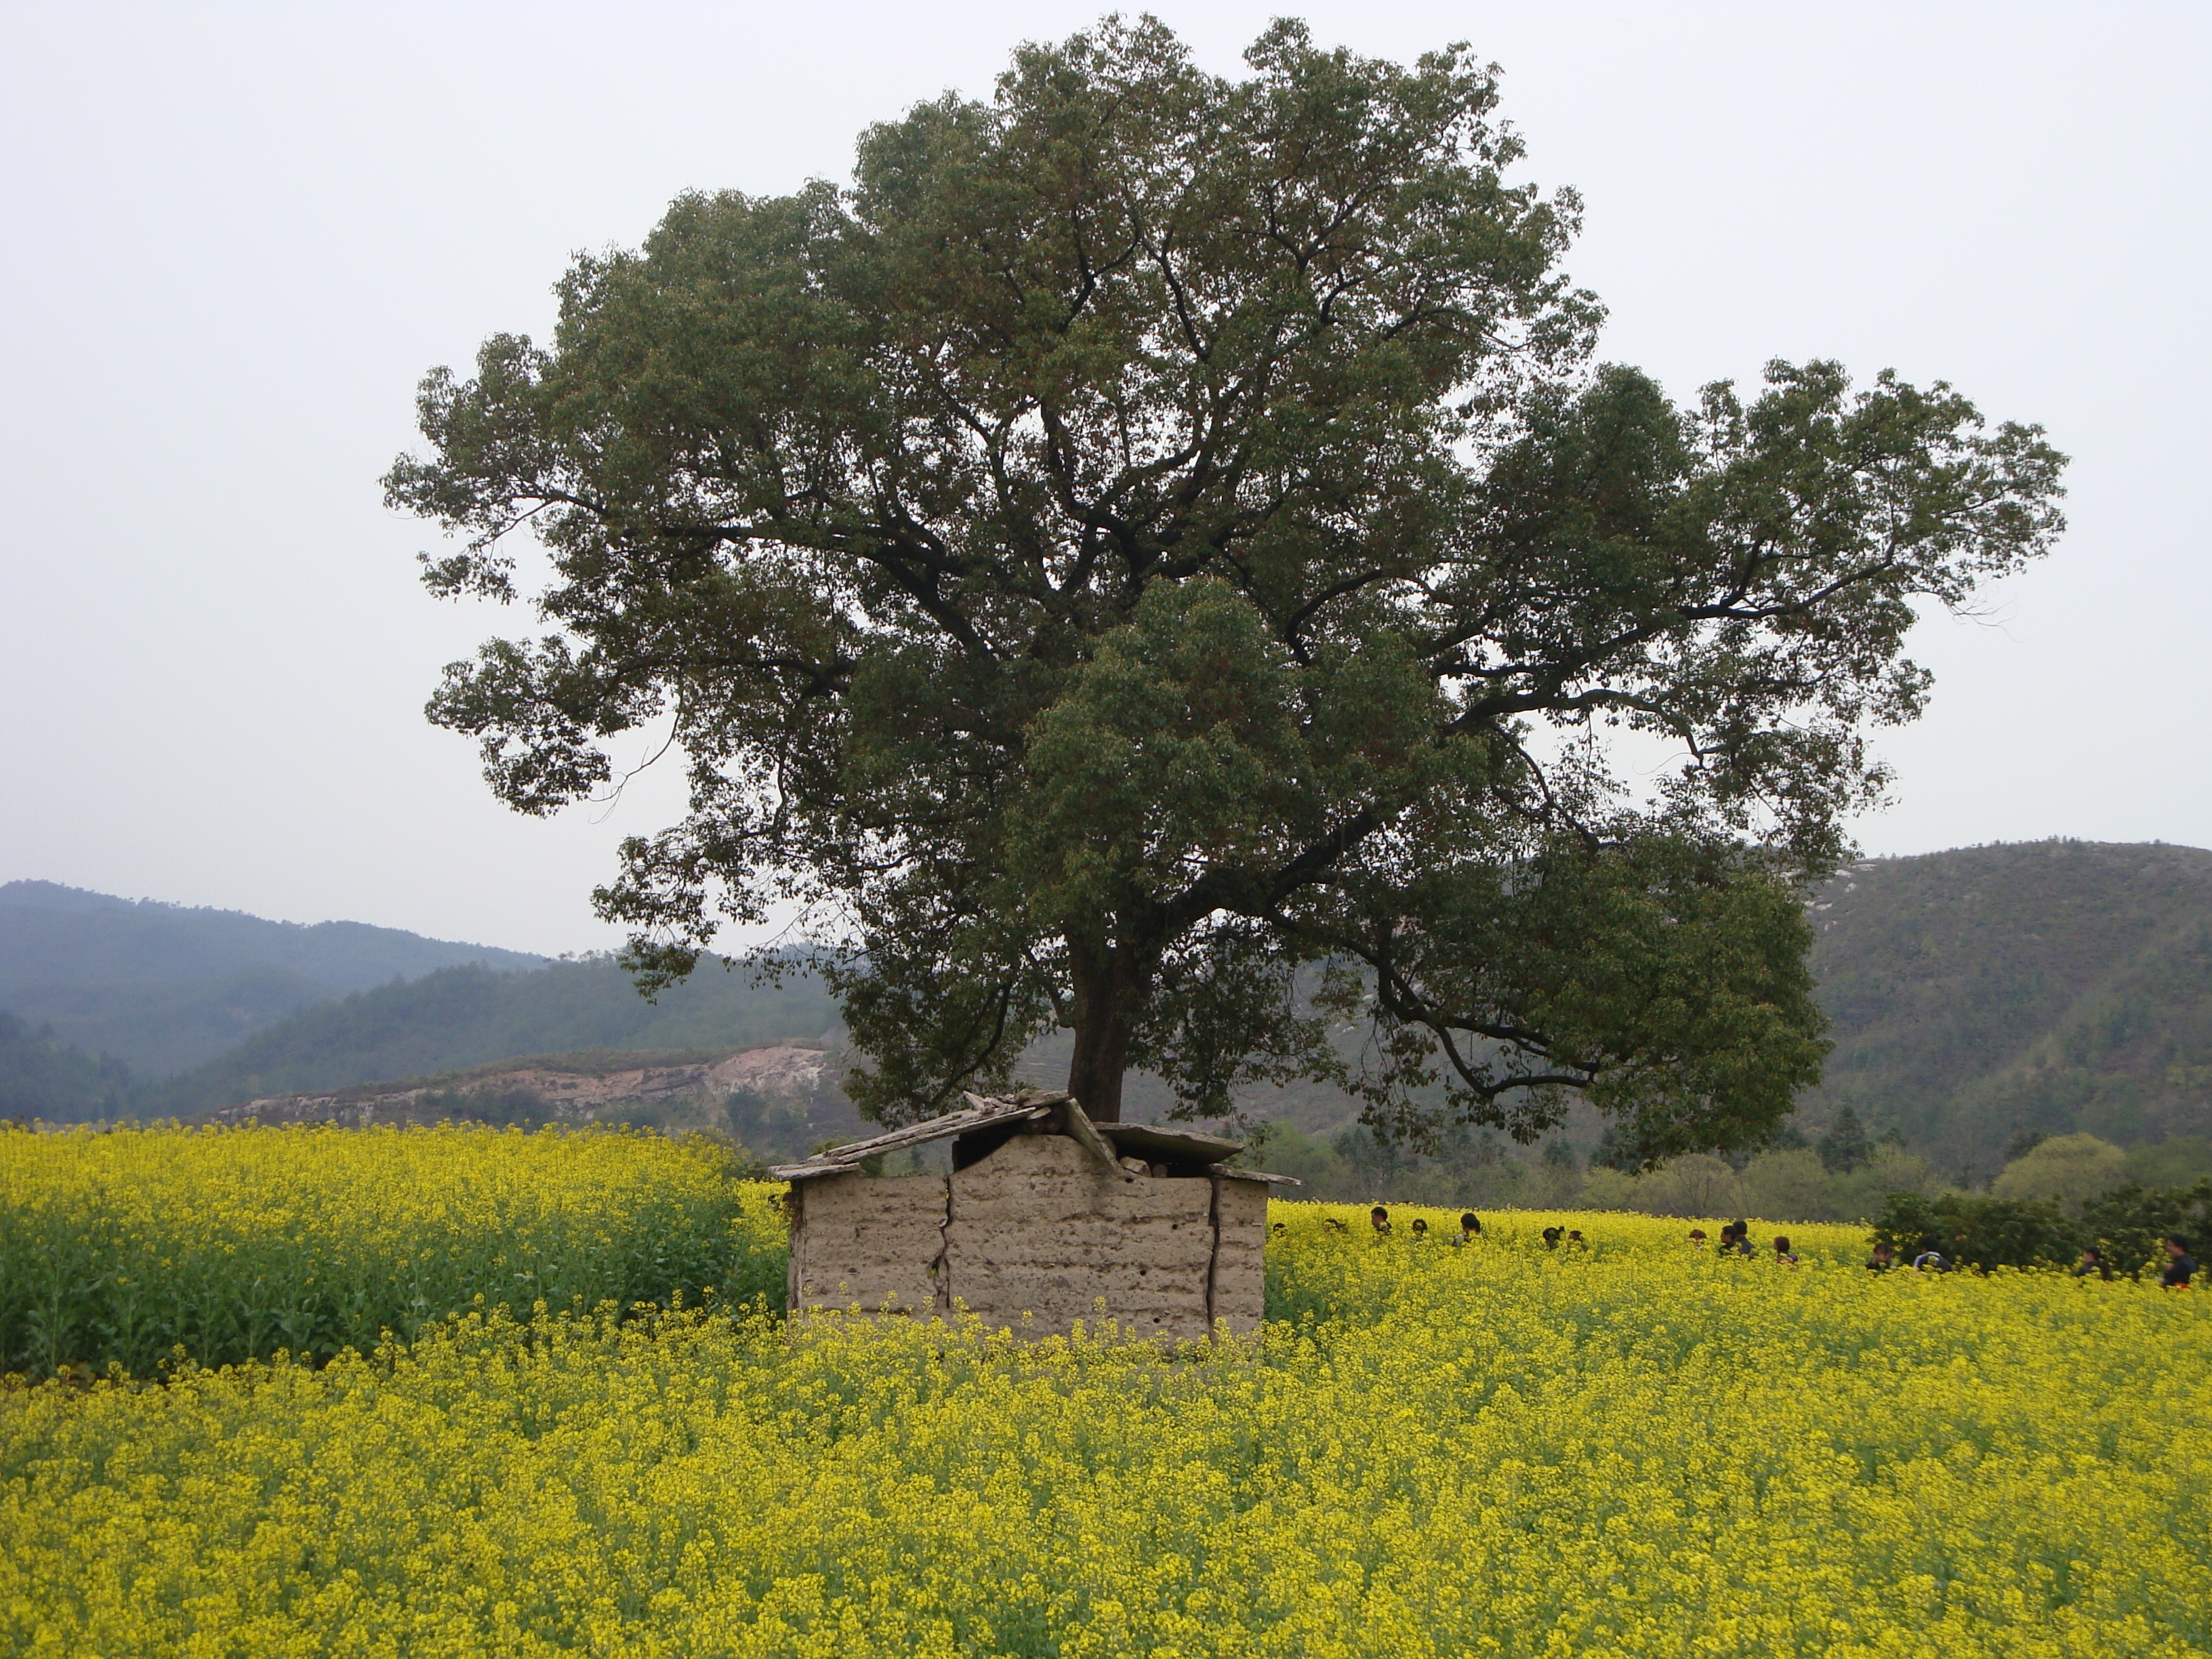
[(2180, 1265), (1736, 1240)]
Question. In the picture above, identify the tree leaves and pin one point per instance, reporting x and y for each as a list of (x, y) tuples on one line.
[(1159, 534)]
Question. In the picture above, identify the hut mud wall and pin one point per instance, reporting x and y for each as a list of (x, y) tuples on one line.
[(1240, 1222), (1040, 1229), (875, 1243)]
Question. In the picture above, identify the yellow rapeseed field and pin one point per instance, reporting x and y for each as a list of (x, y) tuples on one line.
[(1495, 1450), (117, 1247)]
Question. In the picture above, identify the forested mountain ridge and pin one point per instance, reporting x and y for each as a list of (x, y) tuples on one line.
[(41, 1077), (162, 987), (1975, 996), (2045, 987), (460, 1017)]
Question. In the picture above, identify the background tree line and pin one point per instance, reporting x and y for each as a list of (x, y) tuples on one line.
[(1841, 1175)]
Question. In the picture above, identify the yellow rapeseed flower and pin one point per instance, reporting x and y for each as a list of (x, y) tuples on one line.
[(1500, 1450)]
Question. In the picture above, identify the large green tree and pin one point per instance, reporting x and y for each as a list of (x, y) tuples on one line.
[(1156, 557)]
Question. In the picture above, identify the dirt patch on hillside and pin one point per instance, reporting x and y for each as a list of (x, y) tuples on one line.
[(795, 1078)]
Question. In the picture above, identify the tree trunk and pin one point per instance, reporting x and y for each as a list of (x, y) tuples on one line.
[(1109, 989)]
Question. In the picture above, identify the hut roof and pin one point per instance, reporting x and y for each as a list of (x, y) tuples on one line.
[(1108, 1142)]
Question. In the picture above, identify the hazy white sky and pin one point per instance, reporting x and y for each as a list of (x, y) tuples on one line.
[(236, 237)]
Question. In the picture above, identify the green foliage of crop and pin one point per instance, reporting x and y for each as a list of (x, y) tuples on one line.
[(119, 1248)]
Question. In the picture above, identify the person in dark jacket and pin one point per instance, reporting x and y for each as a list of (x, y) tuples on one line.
[(1929, 1259), (2180, 1265), (1884, 1258), (2093, 1261)]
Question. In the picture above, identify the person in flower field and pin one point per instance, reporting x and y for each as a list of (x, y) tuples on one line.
[(2093, 1261), (2180, 1265)]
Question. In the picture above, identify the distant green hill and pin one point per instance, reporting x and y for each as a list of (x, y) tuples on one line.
[(460, 1017), (1975, 996), (41, 1077), (1983, 993), (163, 987)]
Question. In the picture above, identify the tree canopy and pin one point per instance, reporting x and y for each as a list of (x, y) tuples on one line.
[(1157, 556)]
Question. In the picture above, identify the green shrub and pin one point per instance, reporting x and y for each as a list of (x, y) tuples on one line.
[(1980, 1232), (2127, 1224)]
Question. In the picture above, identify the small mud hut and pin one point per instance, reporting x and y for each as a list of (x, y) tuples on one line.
[(1044, 1213)]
